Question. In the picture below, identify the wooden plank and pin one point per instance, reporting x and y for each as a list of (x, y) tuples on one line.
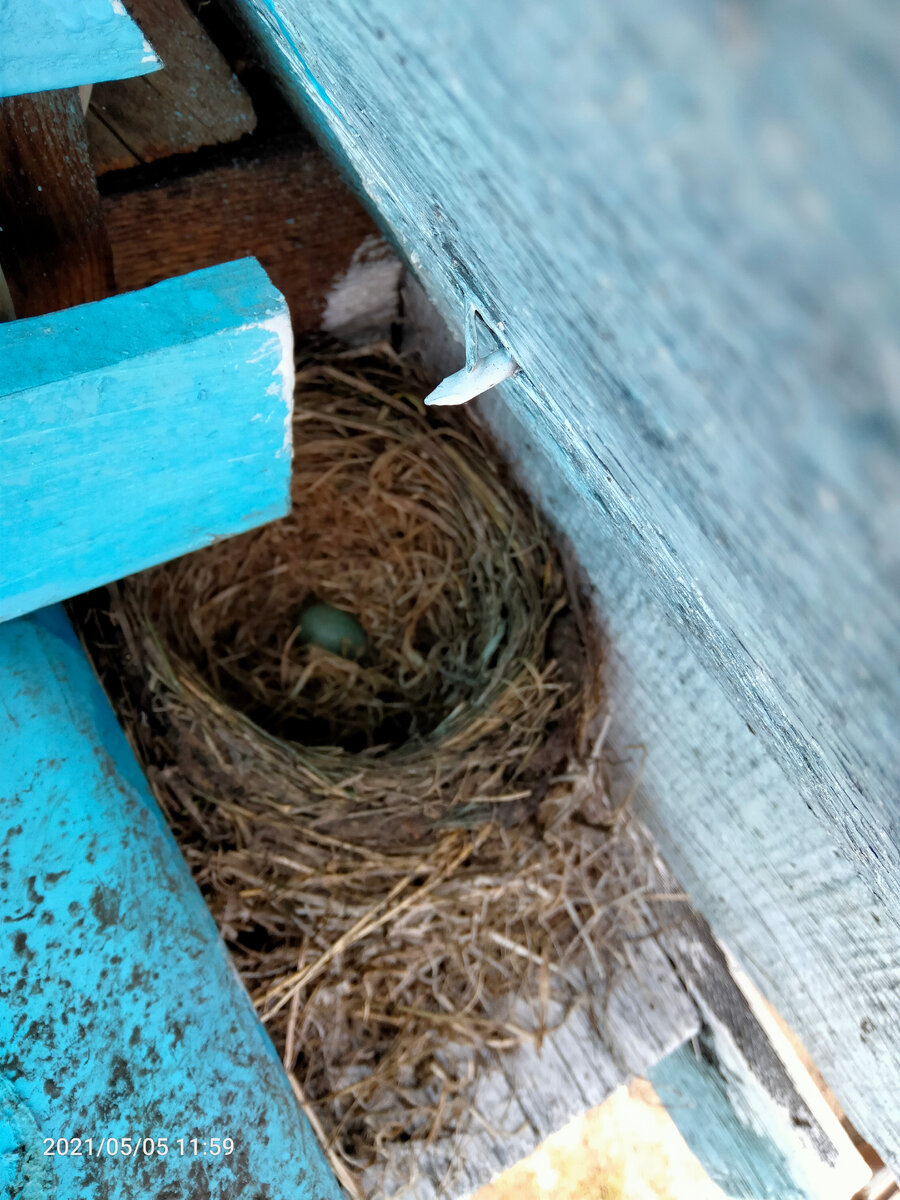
[(737, 1155), (745, 1103), (194, 101), (140, 427), (121, 1011), (683, 224), (108, 153), (733, 828), (286, 206), (651, 676), (54, 251), (678, 1016), (49, 45), (523, 1096)]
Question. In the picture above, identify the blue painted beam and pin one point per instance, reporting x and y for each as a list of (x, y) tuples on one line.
[(121, 1014), (48, 44), (140, 427)]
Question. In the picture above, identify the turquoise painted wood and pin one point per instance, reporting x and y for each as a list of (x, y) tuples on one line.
[(140, 427), (680, 220), (47, 44), (739, 1158), (121, 1014)]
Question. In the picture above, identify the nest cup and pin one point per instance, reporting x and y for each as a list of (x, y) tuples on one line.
[(404, 845)]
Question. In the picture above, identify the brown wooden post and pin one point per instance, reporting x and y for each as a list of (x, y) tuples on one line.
[(54, 251)]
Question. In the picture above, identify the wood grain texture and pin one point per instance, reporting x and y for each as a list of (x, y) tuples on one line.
[(194, 101), (523, 1096), (681, 219), (48, 45), (774, 879), (122, 1013), (285, 205), (737, 1156), (107, 151), (677, 1015), (54, 251), (140, 427), (747, 1106), (773, 1134)]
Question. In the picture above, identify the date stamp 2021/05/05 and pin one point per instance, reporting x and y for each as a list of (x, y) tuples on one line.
[(137, 1147)]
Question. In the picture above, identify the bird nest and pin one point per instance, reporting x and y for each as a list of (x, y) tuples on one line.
[(407, 851)]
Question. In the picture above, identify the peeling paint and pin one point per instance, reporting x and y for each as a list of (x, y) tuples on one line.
[(363, 300)]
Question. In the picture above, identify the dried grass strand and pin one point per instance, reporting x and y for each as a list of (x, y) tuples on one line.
[(413, 858)]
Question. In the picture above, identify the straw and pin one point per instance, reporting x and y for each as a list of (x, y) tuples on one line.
[(413, 858)]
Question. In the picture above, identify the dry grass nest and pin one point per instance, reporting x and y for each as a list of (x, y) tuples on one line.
[(412, 856)]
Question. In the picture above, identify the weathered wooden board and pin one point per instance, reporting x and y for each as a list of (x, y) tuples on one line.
[(745, 1105), (738, 1101), (122, 1015), (773, 877), (737, 1156), (49, 44), (680, 222), (194, 101), (524, 1096), (107, 152), (769, 1132), (140, 427), (287, 206), (54, 251)]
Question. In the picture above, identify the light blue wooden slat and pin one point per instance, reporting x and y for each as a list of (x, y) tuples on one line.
[(741, 1159), (120, 1011), (140, 427), (47, 44), (684, 218)]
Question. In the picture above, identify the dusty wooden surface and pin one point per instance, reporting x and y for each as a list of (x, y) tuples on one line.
[(677, 1015), (193, 101), (683, 219), (626, 1149), (745, 1104), (54, 251), (750, 851), (286, 205)]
